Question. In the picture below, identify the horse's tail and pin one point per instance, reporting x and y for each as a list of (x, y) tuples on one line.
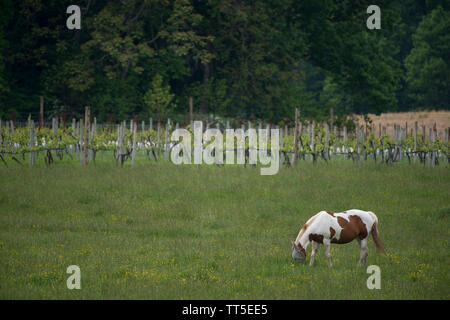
[(374, 232)]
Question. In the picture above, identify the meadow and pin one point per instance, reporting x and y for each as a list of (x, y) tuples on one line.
[(160, 231)]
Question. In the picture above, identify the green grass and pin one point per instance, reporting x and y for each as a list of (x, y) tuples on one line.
[(159, 231)]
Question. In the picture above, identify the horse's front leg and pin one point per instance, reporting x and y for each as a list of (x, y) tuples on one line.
[(326, 243), (314, 246)]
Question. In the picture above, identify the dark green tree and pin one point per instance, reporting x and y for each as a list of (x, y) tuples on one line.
[(428, 68), (158, 99)]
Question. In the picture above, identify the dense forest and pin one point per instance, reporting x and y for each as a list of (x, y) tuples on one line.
[(239, 59)]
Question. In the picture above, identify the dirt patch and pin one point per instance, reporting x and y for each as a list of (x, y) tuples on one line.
[(426, 118)]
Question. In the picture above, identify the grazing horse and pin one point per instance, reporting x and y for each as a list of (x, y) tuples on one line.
[(328, 227)]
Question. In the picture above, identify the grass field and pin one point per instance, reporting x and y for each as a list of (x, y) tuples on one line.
[(159, 231)]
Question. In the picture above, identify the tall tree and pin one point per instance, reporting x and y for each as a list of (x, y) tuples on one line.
[(5, 15), (158, 98), (428, 67)]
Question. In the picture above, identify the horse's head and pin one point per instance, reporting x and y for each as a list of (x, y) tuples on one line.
[(298, 254)]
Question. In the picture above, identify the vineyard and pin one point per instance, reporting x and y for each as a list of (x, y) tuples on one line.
[(84, 139)]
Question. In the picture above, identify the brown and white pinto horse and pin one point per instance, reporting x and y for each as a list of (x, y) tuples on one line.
[(328, 227)]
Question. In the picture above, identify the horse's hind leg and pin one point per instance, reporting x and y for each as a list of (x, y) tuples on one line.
[(364, 251), (327, 246), (314, 246)]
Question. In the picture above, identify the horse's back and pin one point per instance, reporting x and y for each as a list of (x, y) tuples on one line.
[(367, 217)]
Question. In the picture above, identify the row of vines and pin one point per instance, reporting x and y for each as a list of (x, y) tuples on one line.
[(315, 141)]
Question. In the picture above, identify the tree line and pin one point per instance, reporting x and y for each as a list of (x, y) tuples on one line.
[(240, 59)]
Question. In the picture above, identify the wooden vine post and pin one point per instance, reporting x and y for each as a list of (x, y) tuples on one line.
[(86, 134), (296, 137), (191, 111), (327, 138), (31, 143), (416, 128), (133, 154), (166, 149), (446, 134), (159, 137)]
